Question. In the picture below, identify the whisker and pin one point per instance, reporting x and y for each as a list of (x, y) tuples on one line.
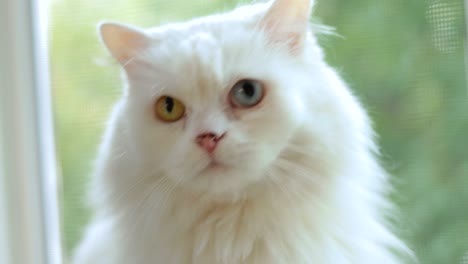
[(274, 180), (128, 62), (159, 200), (121, 196), (298, 173), (140, 213), (157, 89), (298, 149), (154, 203), (147, 195)]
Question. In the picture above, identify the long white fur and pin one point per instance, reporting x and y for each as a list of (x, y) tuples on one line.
[(302, 183)]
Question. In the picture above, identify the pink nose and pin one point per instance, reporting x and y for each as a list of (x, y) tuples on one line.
[(208, 141)]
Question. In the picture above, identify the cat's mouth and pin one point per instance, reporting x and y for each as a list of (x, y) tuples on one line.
[(214, 164)]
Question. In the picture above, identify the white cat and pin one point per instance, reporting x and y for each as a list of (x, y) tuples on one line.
[(234, 142)]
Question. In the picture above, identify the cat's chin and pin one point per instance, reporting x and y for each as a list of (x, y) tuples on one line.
[(218, 178), (215, 167)]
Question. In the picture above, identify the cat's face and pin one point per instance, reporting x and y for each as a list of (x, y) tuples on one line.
[(212, 104)]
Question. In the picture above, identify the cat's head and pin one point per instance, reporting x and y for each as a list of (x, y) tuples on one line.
[(213, 102)]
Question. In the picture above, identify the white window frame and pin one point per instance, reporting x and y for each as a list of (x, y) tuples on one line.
[(29, 215)]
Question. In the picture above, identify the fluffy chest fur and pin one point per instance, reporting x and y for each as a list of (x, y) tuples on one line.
[(275, 227), (234, 142), (250, 231)]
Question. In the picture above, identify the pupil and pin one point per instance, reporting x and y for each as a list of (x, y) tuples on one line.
[(248, 89), (169, 104)]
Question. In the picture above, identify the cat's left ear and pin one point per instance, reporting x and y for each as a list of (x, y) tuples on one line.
[(286, 21), (122, 41)]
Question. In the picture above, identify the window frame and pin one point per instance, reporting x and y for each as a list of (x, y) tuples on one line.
[(29, 215)]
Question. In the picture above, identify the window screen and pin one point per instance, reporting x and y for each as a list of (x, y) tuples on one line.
[(405, 59)]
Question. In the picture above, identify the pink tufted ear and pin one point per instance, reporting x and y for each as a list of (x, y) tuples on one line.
[(287, 21), (123, 42)]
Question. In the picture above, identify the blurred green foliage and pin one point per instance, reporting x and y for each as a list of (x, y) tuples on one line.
[(404, 58)]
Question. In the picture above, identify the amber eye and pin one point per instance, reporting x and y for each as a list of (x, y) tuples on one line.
[(169, 109), (246, 93)]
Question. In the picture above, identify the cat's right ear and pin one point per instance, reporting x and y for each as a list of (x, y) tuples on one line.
[(122, 41), (287, 21)]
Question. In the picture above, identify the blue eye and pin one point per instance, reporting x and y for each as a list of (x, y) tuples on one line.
[(246, 93)]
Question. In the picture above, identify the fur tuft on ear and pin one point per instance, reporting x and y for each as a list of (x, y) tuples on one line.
[(286, 21), (122, 41)]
